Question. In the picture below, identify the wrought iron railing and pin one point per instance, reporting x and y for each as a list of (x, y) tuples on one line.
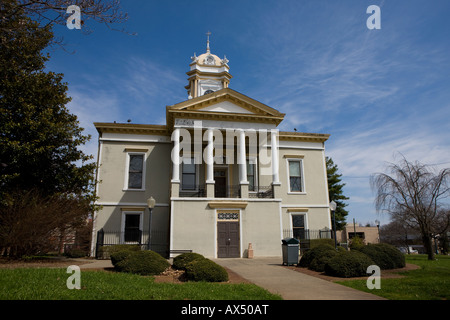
[(260, 192), (304, 236), (158, 241), (193, 191), (228, 191)]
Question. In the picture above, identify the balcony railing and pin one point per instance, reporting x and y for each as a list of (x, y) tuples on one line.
[(193, 191), (260, 192), (229, 191)]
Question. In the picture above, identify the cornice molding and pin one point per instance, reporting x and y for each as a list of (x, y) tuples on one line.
[(302, 136), (150, 129)]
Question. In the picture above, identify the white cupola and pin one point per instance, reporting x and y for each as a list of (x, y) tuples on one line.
[(208, 73)]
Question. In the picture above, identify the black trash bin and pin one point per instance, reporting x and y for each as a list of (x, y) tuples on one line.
[(290, 248)]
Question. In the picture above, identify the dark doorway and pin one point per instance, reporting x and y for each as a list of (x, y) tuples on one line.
[(228, 239), (220, 185)]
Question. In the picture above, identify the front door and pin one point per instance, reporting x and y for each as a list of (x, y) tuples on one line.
[(228, 239), (220, 185)]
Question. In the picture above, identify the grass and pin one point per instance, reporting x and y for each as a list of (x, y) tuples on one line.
[(430, 282), (50, 284)]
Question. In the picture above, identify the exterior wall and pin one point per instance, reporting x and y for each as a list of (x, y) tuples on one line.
[(115, 200), (113, 168), (191, 222), (194, 227), (313, 202), (370, 233), (314, 177)]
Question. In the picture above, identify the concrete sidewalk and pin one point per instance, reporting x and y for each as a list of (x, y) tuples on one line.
[(269, 273)]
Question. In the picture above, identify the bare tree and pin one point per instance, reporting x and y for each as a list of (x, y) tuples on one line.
[(31, 223), (54, 12), (413, 193)]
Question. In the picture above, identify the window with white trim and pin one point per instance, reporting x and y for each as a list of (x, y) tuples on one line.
[(295, 175), (251, 174), (135, 173), (298, 226), (189, 175), (132, 227)]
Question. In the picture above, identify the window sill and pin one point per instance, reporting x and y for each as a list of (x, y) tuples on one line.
[(297, 193), (139, 190)]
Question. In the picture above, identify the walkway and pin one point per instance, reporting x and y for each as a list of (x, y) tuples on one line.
[(268, 273)]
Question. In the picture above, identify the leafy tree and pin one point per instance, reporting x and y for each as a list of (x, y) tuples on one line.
[(336, 193), (39, 140)]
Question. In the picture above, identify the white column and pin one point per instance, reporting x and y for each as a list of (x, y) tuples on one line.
[(209, 159), (274, 153), (241, 161), (176, 156)]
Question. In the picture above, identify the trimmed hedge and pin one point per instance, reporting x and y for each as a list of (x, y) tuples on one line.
[(348, 264), (319, 242), (180, 261), (384, 255), (206, 270), (119, 252), (140, 262), (318, 263)]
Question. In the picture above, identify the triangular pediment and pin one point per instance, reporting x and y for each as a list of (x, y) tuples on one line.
[(225, 101), (226, 106)]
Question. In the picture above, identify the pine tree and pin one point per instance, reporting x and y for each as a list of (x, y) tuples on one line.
[(335, 193)]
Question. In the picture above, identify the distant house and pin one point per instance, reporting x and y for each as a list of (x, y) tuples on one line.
[(367, 234), (222, 174)]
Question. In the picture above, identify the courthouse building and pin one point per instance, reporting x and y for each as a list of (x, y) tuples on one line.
[(221, 174)]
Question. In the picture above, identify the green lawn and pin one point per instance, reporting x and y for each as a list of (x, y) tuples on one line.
[(430, 282), (50, 284)]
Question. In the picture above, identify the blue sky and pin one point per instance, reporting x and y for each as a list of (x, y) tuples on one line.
[(377, 92)]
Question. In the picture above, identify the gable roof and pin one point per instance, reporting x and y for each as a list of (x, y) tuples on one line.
[(239, 108)]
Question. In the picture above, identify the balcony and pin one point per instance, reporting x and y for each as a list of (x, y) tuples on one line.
[(226, 191)]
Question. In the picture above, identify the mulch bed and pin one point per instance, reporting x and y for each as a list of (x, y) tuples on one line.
[(385, 274), (178, 276)]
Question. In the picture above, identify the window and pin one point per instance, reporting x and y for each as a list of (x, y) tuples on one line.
[(295, 176), (360, 235), (132, 232), (189, 176), (298, 226), (251, 175), (135, 171)]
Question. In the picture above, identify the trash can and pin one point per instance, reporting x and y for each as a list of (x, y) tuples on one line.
[(290, 248)]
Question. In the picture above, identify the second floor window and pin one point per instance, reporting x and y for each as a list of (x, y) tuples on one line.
[(188, 178), (135, 171), (251, 170), (295, 176)]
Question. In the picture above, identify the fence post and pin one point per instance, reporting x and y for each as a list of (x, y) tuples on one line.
[(100, 238)]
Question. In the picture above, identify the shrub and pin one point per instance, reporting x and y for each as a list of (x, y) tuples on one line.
[(205, 270), (348, 264), (318, 263), (119, 252), (356, 243), (318, 242), (142, 262), (180, 262), (119, 256), (379, 256), (76, 253), (313, 253), (384, 255)]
